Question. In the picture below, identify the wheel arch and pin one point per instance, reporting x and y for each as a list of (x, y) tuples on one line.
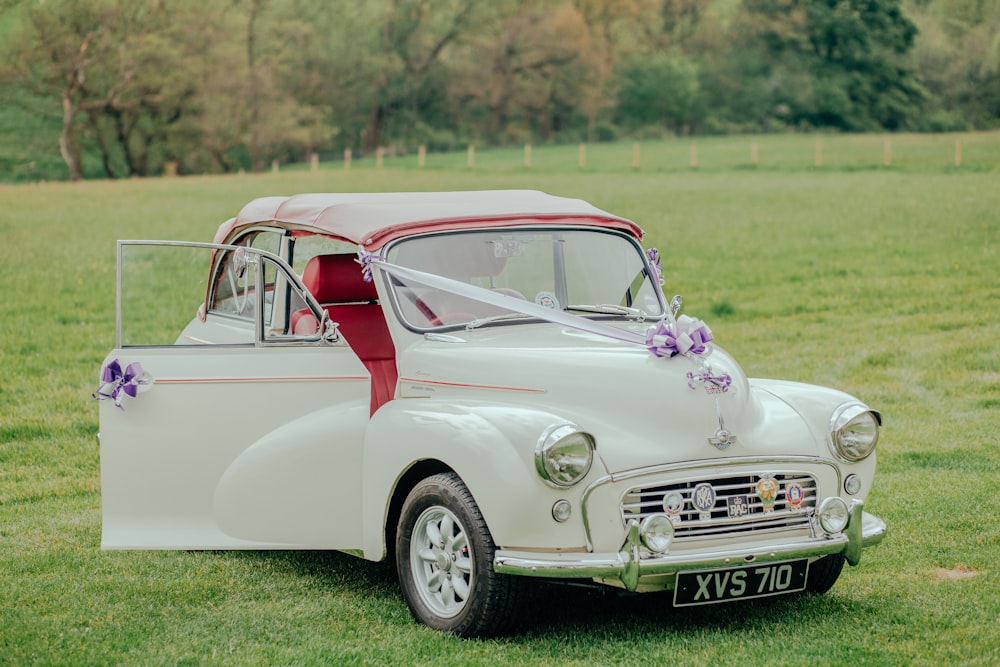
[(420, 470)]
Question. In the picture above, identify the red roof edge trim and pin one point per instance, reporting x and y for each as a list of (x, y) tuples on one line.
[(387, 234)]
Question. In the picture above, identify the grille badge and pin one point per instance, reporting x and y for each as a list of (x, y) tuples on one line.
[(673, 503), (703, 499), (767, 491)]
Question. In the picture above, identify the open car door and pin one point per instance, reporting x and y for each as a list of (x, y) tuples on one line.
[(228, 431)]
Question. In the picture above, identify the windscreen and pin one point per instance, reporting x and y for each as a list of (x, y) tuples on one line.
[(589, 272)]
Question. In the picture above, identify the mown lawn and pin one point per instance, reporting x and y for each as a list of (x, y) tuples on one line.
[(880, 281)]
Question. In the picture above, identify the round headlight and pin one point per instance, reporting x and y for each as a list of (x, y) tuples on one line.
[(833, 515), (656, 533), (854, 431), (564, 455)]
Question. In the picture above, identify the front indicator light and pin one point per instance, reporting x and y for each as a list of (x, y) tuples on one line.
[(561, 510), (656, 533), (833, 515), (852, 484)]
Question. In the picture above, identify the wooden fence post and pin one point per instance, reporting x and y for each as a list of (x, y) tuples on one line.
[(753, 154), (636, 156), (887, 153), (347, 159), (314, 161), (527, 156), (818, 161), (581, 156), (379, 157), (694, 155), (274, 166), (421, 156), (958, 152), (471, 160)]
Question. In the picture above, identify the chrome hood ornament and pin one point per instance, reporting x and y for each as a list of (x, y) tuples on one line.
[(723, 438)]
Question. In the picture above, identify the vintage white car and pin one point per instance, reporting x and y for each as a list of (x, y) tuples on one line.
[(487, 387)]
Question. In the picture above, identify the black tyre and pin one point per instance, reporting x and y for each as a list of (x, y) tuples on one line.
[(444, 558), (823, 573)]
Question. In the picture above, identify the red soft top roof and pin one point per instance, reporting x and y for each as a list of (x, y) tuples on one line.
[(372, 219)]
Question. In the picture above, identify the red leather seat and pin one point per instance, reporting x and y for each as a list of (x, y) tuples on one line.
[(337, 283)]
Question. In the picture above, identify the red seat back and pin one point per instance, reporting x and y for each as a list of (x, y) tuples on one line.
[(338, 284)]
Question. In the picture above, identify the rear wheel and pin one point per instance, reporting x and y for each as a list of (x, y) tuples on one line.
[(823, 573), (444, 558)]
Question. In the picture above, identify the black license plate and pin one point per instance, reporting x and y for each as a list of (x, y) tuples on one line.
[(740, 583)]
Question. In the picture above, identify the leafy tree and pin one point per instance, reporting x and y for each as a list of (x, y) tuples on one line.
[(65, 52), (958, 57), (531, 71), (841, 63), (660, 90), (414, 36), (121, 88)]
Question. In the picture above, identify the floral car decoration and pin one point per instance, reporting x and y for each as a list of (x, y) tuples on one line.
[(486, 387)]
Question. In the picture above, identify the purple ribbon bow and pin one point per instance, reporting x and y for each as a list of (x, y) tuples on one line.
[(654, 261), (715, 384), (690, 337), (365, 260), (114, 382)]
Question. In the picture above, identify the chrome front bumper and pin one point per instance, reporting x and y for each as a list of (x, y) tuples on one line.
[(863, 530)]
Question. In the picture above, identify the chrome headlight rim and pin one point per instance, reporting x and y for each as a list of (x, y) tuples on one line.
[(833, 515), (846, 416), (657, 533), (551, 455)]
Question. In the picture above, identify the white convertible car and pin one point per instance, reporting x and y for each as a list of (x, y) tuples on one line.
[(486, 387)]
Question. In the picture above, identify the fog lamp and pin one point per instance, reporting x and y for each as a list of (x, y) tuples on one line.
[(833, 515), (656, 533)]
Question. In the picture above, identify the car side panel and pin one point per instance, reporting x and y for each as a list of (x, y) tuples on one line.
[(164, 455), (300, 483)]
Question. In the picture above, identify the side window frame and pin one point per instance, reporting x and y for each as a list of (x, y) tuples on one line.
[(257, 262), (251, 241)]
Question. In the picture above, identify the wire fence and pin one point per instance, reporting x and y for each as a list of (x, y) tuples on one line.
[(978, 151)]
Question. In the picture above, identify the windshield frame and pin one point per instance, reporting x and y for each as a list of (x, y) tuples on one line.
[(393, 293)]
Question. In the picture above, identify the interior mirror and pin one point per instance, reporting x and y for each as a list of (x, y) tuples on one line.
[(239, 263)]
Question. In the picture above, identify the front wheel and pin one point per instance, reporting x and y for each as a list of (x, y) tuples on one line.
[(824, 572), (444, 558)]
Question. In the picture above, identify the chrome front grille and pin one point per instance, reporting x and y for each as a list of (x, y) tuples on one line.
[(739, 492)]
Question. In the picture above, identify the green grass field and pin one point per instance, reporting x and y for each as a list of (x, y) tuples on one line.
[(880, 281)]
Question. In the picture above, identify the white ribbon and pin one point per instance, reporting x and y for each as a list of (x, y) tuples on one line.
[(509, 302)]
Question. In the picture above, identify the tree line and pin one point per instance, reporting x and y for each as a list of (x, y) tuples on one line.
[(128, 88)]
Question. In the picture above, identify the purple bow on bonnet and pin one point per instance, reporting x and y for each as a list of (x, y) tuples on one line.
[(690, 337), (114, 382)]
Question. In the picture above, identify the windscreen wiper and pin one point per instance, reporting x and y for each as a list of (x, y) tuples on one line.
[(637, 314)]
